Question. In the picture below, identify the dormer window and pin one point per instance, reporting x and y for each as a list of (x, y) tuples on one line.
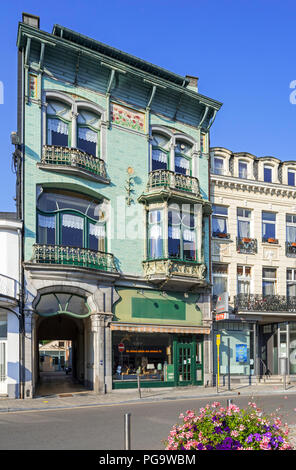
[(267, 174), (218, 166), (291, 177), (242, 170)]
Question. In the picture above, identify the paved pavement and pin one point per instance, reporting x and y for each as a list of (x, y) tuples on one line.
[(51, 396)]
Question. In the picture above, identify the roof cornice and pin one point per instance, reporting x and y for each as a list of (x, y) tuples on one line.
[(50, 39)]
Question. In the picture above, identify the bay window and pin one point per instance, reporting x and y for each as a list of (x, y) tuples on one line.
[(181, 243), (181, 235)]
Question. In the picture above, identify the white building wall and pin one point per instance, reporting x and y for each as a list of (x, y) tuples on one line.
[(10, 239)]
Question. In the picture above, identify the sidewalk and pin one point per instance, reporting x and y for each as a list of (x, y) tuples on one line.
[(116, 397)]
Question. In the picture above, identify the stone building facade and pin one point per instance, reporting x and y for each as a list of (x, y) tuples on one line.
[(114, 194), (254, 260)]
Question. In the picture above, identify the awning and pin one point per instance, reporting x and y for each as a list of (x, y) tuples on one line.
[(116, 326)]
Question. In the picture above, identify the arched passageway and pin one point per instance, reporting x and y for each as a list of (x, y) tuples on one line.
[(60, 354)]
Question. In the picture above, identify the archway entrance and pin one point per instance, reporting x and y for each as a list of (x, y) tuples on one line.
[(62, 344)]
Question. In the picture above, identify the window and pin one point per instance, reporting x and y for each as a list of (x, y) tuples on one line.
[(182, 158), (243, 223), (291, 228), (88, 132), (267, 174), (220, 276), (58, 124), (291, 282), (268, 281), (155, 234), (244, 280), (181, 234), (219, 221), (70, 219), (218, 166), (268, 226), (242, 169), (291, 177), (160, 152)]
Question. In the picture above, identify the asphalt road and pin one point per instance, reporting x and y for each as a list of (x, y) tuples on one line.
[(102, 427)]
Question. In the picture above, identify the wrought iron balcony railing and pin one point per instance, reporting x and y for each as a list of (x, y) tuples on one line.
[(72, 157), (246, 245), (265, 303), (73, 256), (291, 248), (171, 180)]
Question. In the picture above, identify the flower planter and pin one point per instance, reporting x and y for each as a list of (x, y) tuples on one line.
[(231, 428), (246, 240)]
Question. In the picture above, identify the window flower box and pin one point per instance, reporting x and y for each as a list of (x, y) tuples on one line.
[(246, 240), (272, 240)]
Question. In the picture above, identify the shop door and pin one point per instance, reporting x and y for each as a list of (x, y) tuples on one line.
[(189, 364), (3, 368), (184, 364)]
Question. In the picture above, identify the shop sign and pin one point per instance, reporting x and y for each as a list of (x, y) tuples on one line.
[(222, 303), (222, 316), (241, 353), (144, 351)]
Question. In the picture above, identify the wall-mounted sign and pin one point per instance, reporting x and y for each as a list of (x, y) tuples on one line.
[(222, 303), (144, 351), (127, 117), (241, 352)]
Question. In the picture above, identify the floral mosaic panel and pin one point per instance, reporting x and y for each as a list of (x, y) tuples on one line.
[(127, 117)]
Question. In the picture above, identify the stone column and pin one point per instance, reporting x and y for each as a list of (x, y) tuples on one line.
[(108, 354), (27, 365), (98, 330)]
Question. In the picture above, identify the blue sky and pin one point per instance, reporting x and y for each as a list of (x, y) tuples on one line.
[(243, 52)]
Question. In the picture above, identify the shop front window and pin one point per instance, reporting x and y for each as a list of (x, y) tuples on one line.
[(149, 355)]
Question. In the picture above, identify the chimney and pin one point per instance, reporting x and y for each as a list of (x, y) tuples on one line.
[(192, 82), (31, 20)]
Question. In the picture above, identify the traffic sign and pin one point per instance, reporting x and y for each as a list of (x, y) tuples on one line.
[(218, 339), (121, 347)]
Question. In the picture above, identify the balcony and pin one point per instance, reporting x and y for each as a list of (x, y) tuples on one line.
[(9, 290), (175, 273), (73, 161), (267, 303), (246, 245), (291, 249), (73, 256), (166, 183)]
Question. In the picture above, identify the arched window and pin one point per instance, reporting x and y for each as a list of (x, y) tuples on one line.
[(70, 219), (58, 124), (183, 158), (160, 152), (88, 134)]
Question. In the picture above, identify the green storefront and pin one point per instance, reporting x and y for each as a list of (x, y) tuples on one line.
[(158, 336)]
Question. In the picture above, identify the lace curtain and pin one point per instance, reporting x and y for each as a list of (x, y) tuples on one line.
[(87, 134), (46, 221), (72, 221), (159, 156), (97, 231), (291, 233), (182, 162), (58, 126)]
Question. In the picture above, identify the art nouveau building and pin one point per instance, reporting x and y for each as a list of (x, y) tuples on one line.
[(254, 260), (115, 202)]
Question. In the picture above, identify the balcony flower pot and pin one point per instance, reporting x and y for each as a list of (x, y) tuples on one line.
[(246, 240), (222, 235), (271, 240), (293, 244)]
